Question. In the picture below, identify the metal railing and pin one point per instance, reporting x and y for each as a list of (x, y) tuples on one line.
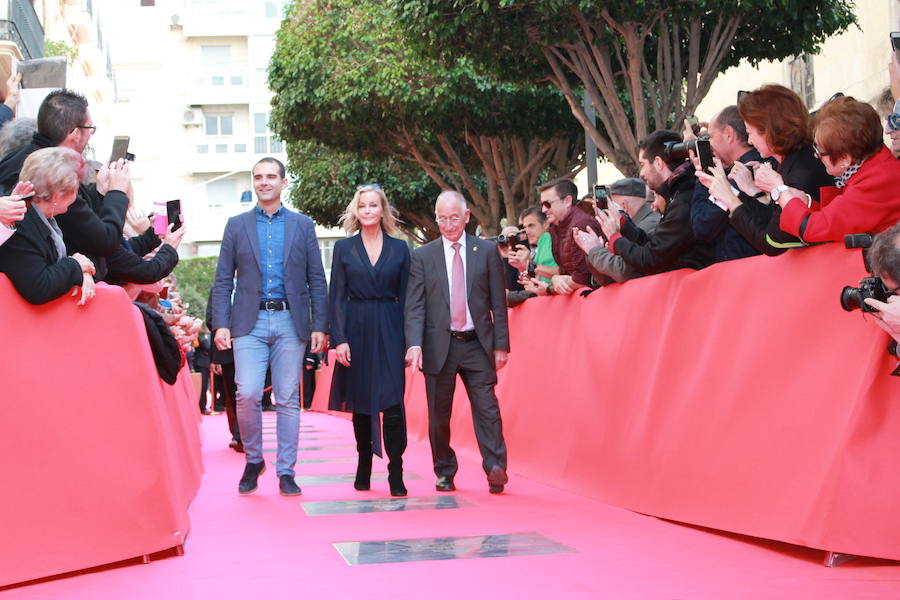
[(23, 28)]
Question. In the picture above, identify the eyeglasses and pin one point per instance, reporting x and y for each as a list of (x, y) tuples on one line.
[(820, 153), (548, 203), (893, 121), (369, 187), (451, 220), (91, 128)]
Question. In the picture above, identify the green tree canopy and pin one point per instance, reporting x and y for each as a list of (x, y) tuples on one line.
[(345, 76), (645, 64)]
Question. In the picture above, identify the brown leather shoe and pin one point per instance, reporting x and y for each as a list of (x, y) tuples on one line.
[(497, 478)]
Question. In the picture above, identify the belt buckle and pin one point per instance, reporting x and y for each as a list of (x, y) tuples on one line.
[(270, 305)]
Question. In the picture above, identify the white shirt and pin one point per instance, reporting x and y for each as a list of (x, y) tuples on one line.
[(448, 259)]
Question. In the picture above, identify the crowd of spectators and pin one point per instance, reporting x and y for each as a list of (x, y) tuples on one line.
[(67, 227)]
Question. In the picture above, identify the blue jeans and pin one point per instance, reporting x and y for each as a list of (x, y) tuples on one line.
[(273, 339)]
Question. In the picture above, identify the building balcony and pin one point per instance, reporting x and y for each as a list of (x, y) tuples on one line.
[(229, 19), (19, 24)]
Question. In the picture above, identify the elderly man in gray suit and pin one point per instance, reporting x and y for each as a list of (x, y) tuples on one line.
[(456, 324), (270, 258)]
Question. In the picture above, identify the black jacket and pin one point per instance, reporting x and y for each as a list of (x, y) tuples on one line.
[(672, 245), (760, 224), (93, 223), (30, 260), (124, 266)]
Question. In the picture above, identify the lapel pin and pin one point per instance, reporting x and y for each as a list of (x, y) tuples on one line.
[(474, 248)]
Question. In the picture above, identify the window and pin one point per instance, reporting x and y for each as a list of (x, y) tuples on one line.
[(223, 191), (202, 148), (221, 148), (148, 2), (271, 11), (264, 141), (240, 147), (326, 247), (218, 125), (237, 80), (216, 56), (218, 80)]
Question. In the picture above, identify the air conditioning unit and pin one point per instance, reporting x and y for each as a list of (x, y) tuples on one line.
[(192, 116)]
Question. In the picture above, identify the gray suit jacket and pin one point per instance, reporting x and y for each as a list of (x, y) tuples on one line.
[(428, 300), (304, 277)]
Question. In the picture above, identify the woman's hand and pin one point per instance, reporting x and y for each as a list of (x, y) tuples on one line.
[(767, 178), (743, 177), (719, 186), (173, 238), (137, 219), (85, 263), (342, 353), (87, 288)]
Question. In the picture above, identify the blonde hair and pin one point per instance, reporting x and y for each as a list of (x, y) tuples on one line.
[(51, 171), (389, 218)]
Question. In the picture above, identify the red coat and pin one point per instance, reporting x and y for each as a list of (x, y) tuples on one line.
[(869, 203)]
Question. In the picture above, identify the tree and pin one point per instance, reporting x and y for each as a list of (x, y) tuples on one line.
[(345, 76), (194, 278), (325, 181), (645, 64)]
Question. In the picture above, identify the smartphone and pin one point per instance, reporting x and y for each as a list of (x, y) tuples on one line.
[(601, 197), (895, 42), (119, 148), (741, 95), (705, 154), (173, 213)]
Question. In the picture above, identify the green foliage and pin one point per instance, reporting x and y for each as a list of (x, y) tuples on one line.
[(194, 277), (325, 181), (60, 48)]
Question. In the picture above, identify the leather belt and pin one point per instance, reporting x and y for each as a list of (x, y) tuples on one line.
[(466, 336), (352, 299), (273, 305)]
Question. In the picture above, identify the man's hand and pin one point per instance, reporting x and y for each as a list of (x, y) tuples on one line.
[(534, 285), (501, 357), (609, 223), (12, 91), (223, 338), (342, 354), (119, 176), (414, 358), (587, 240), (173, 238), (519, 258), (12, 209), (318, 342), (888, 315)]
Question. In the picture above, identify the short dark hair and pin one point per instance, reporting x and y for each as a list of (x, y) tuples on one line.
[(884, 255), (731, 117), (533, 210), (274, 161), (60, 113), (563, 187), (654, 144)]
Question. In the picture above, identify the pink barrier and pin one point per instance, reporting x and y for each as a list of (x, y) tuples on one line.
[(740, 397), (101, 457)]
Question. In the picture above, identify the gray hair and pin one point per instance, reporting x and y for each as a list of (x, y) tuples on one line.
[(446, 194), (51, 171), (16, 133)]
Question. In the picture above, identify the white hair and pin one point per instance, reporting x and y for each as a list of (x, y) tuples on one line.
[(454, 195)]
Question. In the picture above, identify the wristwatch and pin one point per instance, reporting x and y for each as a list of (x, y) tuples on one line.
[(777, 192)]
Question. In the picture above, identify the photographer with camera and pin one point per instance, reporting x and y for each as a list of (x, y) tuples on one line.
[(560, 205), (666, 169), (628, 196), (537, 257), (884, 259), (709, 221)]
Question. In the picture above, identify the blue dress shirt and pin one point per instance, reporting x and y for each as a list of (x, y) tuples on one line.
[(270, 230)]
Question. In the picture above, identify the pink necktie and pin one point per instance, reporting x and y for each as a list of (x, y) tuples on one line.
[(458, 293)]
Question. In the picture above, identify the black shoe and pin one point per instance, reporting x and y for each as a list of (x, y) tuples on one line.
[(445, 484), (287, 486), (497, 478), (236, 445), (397, 487), (252, 471), (204, 411), (363, 479), (269, 408)]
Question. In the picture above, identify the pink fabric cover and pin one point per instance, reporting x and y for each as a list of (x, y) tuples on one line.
[(740, 397), (101, 459)]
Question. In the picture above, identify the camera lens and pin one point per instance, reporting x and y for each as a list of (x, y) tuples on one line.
[(851, 299)]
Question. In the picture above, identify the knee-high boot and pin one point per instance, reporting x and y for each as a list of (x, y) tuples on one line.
[(394, 428), (362, 428)]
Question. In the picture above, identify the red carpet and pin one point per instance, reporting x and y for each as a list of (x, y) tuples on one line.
[(265, 546)]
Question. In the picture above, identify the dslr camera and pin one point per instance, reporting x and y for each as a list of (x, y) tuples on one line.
[(512, 240), (852, 298), (676, 152)]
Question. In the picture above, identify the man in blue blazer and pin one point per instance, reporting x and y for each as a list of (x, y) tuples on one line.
[(270, 259)]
